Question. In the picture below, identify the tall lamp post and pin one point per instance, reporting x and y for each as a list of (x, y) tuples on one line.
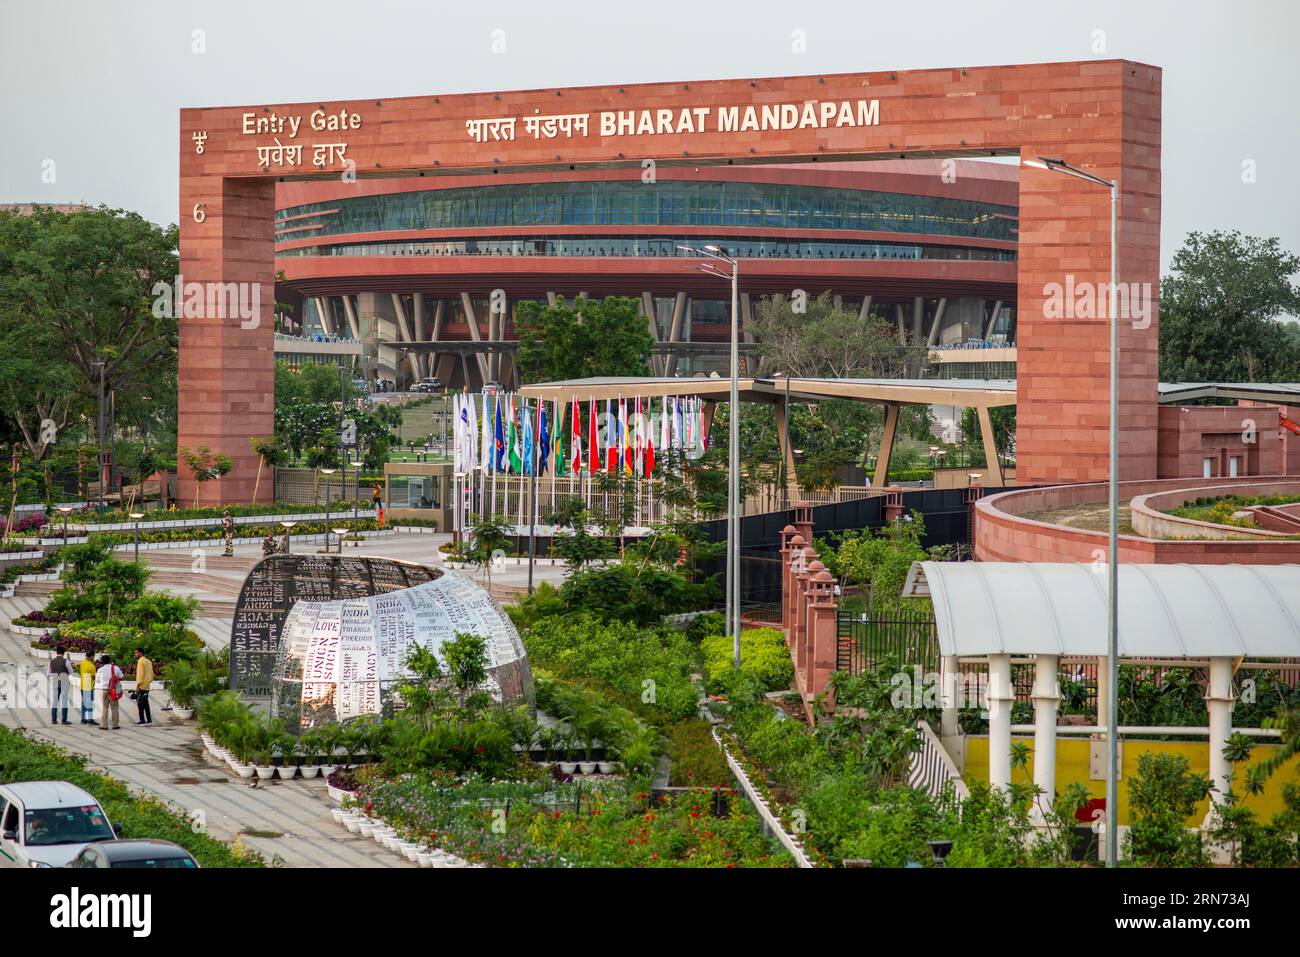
[(1112, 560), (717, 255), (135, 517), (65, 509), (327, 473), (288, 527)]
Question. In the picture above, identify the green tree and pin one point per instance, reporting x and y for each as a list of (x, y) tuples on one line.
[(821, 340), (1221, 309), (77, 300), (583, 338)]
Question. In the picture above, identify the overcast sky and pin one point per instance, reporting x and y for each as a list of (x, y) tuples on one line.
[(96, 85)]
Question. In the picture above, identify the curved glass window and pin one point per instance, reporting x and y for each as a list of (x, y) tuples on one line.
[(650, 246), (674, 203)]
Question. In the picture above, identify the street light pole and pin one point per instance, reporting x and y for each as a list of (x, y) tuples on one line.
[(1112, 560), (733, 442), (134, 515)]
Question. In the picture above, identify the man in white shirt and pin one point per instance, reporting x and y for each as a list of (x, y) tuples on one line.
[(105, 685)]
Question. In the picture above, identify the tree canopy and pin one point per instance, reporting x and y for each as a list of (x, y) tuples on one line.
[(1221, 309), (582, 338)]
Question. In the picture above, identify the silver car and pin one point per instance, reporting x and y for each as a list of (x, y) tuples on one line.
[(48, 823)]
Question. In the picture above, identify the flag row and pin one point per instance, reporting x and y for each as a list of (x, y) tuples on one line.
[(510, 434)]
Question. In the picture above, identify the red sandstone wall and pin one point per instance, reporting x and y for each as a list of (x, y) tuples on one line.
[(1002, 535), (1103, 116)]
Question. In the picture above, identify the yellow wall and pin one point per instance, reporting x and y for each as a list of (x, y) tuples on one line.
[(1072, 766)]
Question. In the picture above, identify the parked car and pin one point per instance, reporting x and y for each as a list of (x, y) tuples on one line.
[(48, 823), (428, 385), (134, 853)]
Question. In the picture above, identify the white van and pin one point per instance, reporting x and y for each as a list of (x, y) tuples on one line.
[(48, 823)]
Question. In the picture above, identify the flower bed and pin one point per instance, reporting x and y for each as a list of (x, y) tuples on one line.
[(503, 824)]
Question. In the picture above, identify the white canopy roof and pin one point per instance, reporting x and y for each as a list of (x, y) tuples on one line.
[(1165, 611)]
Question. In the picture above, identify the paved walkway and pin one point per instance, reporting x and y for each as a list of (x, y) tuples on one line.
[(287, 822)]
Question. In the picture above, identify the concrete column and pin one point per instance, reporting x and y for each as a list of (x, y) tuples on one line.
[(898, 316), (1047, 697), (937, 321), (326, 316), (675, 331), (918, 317), (476, 334), (864, 310), (790, 586), (648, 308), (811, 566), (993, 319), (1000, 697), (417, 313), (552, 299), (1218, 701), (350, 311), (949, 675)]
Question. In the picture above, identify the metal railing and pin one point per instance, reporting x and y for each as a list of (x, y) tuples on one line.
[(905, 636)]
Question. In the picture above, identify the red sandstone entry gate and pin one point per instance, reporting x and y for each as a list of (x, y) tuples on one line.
[(1103, 116)]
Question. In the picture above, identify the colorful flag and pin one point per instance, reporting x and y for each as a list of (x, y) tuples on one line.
[(515, 465), (611, 438), (626, 437), (527, 422), (485, 438), (499, 438), (593, 438), (544, 438), (649, 462), (561, 460), (575, 436)]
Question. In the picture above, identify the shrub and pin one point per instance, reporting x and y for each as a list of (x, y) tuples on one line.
[(696, 758), (763, 655), (706, 625), (1162, 795), (623, 592), (652, 666)]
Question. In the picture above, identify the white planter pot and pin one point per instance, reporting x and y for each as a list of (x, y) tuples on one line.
[(607, 767), (309, 771), (391, 841), (367, 827), (265, 773), (327, 769), (568, 767), (424, 859), (337, 813), (287, 773), (353, 824), (587, 767), (245, 770), (183, 713), (410, 851)]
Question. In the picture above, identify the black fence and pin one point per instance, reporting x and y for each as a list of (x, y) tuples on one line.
[(947, 522), (906, 636)]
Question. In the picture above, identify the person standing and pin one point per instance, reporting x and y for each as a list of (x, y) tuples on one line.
[(143, 681), (108, 682), (59, 671), (87, 672)]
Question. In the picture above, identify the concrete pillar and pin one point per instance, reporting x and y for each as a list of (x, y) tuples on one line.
[(1047, 697), (675, 331), (353, 325), (993, 468), (918, 317), (1218, 701), (993, 319), (1001, 696), (476, 334), (864, 310), (822, 640), (790, 586), (811, 566), (949, 675), (937, 321)]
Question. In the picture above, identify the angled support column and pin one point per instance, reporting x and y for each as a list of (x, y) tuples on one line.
[(350, 311), (648, 307), (993, 468), (552, 299), (918, 316), (468, 305), (902, 330), (674, 332), (937, 321), (865, 310), (404, 330), (993, 319), (326, 315), (787, 450), (881, 478)]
